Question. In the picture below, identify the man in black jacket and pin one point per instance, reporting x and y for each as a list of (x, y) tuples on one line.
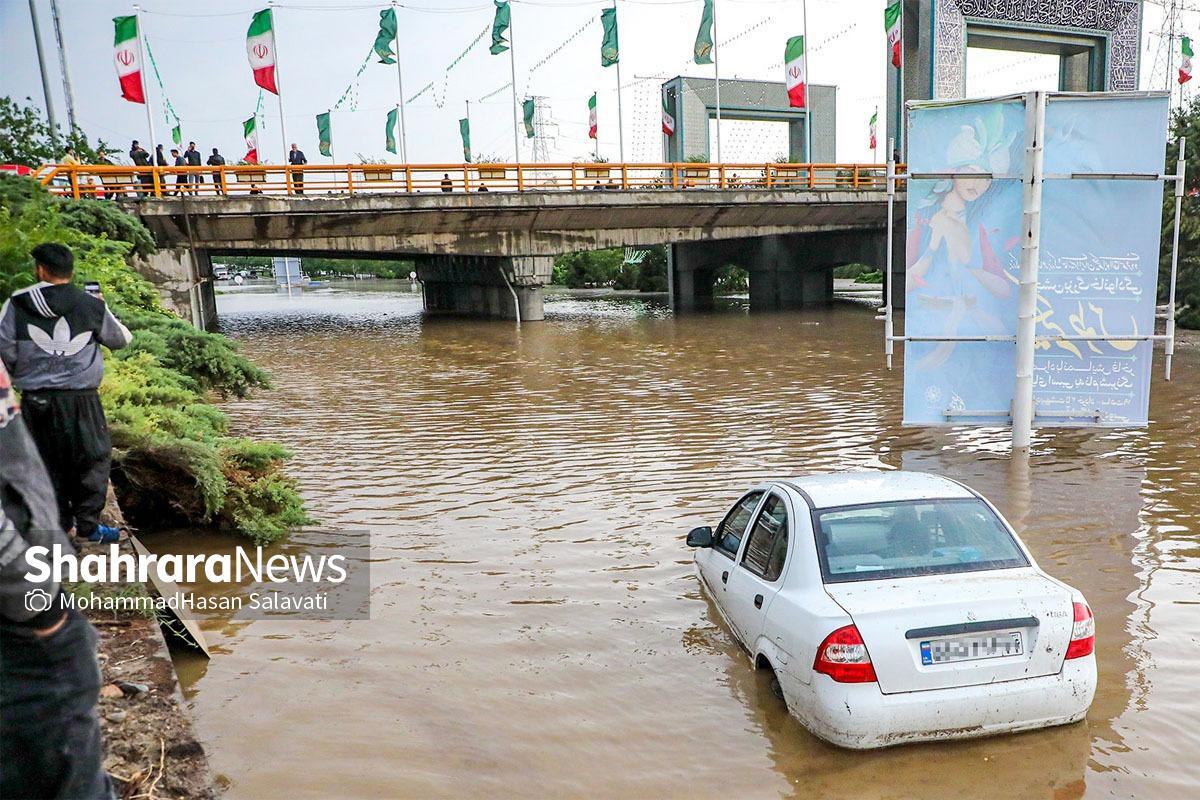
[(160, 160), (50, 338), (296, 158), (140, 158), (49, 680), (192, 157), (217, 160), (181, 179)]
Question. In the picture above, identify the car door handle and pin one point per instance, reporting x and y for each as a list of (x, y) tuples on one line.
[(725, 576), (758, 601)]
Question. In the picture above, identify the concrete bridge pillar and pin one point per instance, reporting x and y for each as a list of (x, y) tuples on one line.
[(183, 278), (486, 286)]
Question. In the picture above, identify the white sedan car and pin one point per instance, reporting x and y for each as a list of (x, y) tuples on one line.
[(897, 607)]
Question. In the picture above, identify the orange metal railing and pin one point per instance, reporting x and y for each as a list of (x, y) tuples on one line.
[(335, 179)]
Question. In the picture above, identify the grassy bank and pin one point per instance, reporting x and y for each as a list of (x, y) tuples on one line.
[(174, 462)]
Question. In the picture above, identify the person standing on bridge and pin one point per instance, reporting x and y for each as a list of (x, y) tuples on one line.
[(447, 184), (296, 159), (192, 157), (160, 160), (50, 338), (140, 158), (217, 160), (181, 179)]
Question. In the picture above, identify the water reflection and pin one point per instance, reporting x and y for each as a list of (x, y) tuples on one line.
[(536, 627)]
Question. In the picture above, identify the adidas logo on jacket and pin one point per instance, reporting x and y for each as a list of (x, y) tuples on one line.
[(50, 337)]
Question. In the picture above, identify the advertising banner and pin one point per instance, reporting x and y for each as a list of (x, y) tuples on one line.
[(1097, 272)]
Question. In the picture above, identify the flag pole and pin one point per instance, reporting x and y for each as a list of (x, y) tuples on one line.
[(620, 114), (512, 68), (717, 77), (279, 85), (400, 85), (137, 11), (807, 94)]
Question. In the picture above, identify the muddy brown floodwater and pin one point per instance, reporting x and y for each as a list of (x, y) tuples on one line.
[(536, 627)]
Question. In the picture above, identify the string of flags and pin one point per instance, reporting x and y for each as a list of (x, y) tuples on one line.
[(261, 54)]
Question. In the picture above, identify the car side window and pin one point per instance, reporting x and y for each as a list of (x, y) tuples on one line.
[(728, 537), (767, 549)]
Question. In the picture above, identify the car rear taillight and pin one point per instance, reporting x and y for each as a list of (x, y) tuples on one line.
[(1083, 635), (843, 656)]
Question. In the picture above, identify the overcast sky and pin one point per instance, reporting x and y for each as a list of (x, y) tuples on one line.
[(199, 48)]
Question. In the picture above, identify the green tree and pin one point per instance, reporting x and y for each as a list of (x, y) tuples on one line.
[(1184, 123), (26, 137)]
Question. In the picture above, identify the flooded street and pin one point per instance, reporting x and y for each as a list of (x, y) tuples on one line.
[(536, 627)]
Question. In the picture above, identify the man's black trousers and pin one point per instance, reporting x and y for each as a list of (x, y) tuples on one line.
[(72, 437)]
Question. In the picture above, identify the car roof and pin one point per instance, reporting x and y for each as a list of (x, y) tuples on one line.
[(832, 489)]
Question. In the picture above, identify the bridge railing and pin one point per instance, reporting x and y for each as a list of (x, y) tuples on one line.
[(330, 179)]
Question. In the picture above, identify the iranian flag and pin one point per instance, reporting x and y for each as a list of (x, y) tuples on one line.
[(127, 57), (668, 121), (793, 64), (891, 23), (1185, 67), (592, 116), (260, 49), (874, 119), (250, 131)]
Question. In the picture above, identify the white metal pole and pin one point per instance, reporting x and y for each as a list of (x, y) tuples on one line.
[(807, 94), (717, 75), (620, 114), (137, 10), (1170, 51), (41, 56), (1031, 219), (516, 109), (888, 330), (279, 83), (400, 85), (1179, 167)]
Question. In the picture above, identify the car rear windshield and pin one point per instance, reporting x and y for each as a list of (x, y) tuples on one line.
[(919, 537)]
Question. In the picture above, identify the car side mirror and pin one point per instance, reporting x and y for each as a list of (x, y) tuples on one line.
[(700, 537)]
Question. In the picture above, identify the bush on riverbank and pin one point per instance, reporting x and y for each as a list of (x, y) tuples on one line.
[(174, 462)]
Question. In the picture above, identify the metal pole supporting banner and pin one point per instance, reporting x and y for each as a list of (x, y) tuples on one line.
[(1170, 348), (807, 93), (137, 11), (717, 76), (888, 331), (620, 113), (1031, 234), (516, 109), (41, 56), (62, 63), (400, 85)]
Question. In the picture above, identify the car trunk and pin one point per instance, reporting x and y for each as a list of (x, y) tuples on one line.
[(965, 615)]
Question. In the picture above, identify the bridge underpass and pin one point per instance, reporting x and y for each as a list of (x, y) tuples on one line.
[(485, 253)]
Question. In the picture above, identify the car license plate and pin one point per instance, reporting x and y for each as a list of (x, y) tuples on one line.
[(971, 648)]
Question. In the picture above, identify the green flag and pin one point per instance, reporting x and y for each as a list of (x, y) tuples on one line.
[(609, 52), (324, 135), (464, 128), (389, 130), (704, 42), (527, 108), (499, 28), (387, 35), (177, 135)]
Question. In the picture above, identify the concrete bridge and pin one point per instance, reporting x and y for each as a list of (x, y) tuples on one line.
[(489, 253)]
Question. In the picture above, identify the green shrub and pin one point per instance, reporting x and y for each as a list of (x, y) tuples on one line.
[(174, 463), (870, 277)]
